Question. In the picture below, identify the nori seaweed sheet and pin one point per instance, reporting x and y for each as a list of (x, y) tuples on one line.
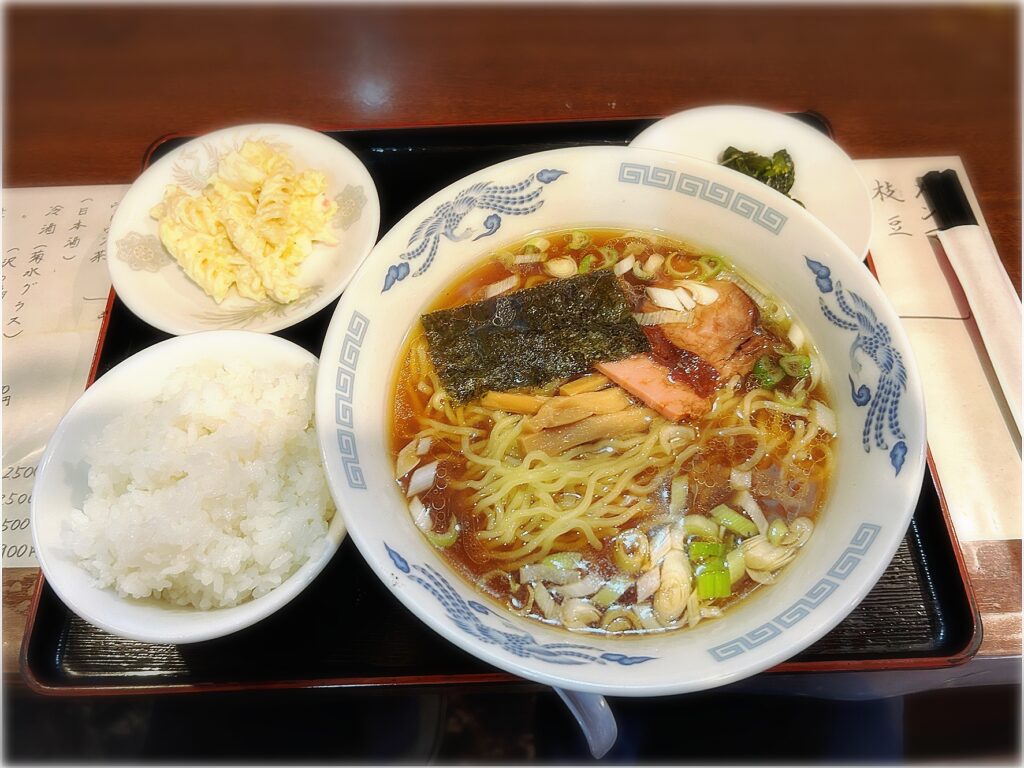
[(534, 336)]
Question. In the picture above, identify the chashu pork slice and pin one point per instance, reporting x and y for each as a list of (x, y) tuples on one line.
[(724, 333), (649, 381)]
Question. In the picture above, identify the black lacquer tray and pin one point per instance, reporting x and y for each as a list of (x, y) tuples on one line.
[(346, 629)]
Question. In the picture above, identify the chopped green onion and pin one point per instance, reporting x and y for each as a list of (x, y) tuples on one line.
[(793, 400), (605, 257), (634, 249), (611, 591), (536, 245), (800, 531), (826, 416), (692, 267), (767, 372), (631, 550), (796, 366), (699, 525), (712, 564), (796, 336), (710, 266), (701, 550), (446, 539), (528, 258), (563, 266), (640, 273), (610, 255), (737, 564), (653, 263), (733, 520), (679, 495), (620, 620), (564, 560), (773, 311), (777, 530), (622, 267), (713, 584), (579, 240)]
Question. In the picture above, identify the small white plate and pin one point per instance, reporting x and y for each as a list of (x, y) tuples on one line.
[(827, 181), (62, 483), (155, 288)]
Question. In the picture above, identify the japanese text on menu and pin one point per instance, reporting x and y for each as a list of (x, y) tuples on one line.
[(55, 289)]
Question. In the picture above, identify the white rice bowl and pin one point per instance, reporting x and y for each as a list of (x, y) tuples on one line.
[(209, 496), (242, 519)]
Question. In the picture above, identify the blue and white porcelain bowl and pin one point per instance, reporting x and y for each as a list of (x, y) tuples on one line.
[(876, 391)]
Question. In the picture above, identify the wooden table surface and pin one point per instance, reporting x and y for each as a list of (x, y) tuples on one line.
[(89, 89)]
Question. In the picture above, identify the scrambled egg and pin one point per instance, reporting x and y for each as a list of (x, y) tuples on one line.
[(251, 227)]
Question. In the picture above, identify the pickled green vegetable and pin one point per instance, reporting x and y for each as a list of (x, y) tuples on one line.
[(777, 171)]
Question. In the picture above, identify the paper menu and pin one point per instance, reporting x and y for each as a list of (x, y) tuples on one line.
[(910, 263), (973, 440), (55, 288)]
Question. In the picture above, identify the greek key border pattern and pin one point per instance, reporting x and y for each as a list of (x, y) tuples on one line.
[(814, 597), (344, 386), (710, 191)]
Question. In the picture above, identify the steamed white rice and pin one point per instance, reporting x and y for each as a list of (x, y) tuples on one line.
[(210, 496)]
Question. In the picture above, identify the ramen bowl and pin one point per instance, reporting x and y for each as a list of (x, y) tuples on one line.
[(874, 384)]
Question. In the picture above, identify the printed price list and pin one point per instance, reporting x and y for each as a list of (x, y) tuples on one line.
[(55, 289)]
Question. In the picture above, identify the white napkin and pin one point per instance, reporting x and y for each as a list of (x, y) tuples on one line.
[(994, 303)]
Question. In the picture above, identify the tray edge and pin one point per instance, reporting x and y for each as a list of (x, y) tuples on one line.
[(963, 655)]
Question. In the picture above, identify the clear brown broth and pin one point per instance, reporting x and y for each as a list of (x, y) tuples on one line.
[(711, 468)]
